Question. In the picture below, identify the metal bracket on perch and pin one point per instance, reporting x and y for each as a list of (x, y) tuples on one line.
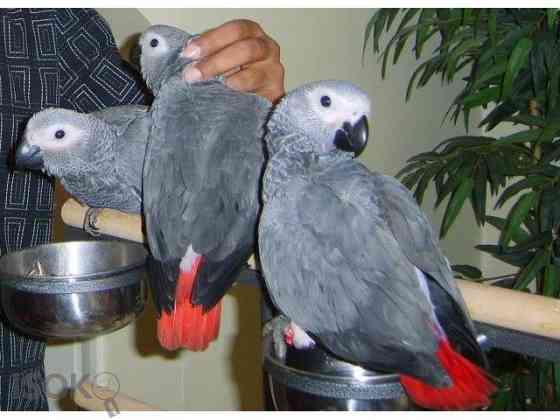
[(520, 342)]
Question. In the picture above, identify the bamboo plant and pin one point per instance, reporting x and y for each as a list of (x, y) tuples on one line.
[(509, 61)]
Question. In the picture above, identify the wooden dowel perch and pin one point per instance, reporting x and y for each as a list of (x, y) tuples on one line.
[(489, 304), (98, 398), (109, 222)]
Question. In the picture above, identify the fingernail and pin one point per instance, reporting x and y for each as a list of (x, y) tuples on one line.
[(192, 74), (192, 51)]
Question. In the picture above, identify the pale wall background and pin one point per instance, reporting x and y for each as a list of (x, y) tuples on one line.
[(316, 44)]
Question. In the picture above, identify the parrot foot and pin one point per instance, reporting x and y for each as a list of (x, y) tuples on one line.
[(286, 333), (297, 337), (90, 221), (277, 326)]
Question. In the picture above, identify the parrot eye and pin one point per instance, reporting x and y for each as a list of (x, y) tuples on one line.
[(59, 134), (325, 101), (154, 42)]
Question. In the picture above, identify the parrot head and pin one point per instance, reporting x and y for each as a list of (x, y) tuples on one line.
[(159, 50), (331, 114), (59, 141)]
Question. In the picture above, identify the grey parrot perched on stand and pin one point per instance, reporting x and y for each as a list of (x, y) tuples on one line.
[(352, 262), (98, 157), (203, 165)]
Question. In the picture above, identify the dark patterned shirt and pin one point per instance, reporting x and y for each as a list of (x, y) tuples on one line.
[(48, 58)]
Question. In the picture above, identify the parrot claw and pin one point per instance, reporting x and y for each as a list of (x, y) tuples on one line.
[(90, 221), (278, 326), (298, 337)]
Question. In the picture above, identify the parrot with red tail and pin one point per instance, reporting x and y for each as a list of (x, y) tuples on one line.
[(351, 261), (204, 159)]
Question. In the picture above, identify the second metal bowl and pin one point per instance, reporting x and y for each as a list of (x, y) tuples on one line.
[(313, 380)]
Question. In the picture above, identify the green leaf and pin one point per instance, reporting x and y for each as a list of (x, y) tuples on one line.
[(367, 34), (529, 182), (517, 215), (540, 240), (492, 27), (478, 197), (538, 67), (517, 260), (549, 209), (454, 179), (429, 173), (510, 39), (496, 177), (411, 179), (539, 261), (458, 52), (525, 136), (425, 156), (447, 171), (456, 204), (493, 71), (531, 223), (467, 271), (482, 97), (517, 60), (551, 21), (550, 131), (501, 400), (410, 13), (453, 143), (413, 78), (392, 14), (498, 114), (427, 74), (378, 26), (422, 31), (467, 13), (526, 119), (520, 235), (410, 167), (398, 49), (551, 279)]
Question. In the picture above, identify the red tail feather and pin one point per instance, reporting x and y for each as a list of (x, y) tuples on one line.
[(471, 387), (188, 326)]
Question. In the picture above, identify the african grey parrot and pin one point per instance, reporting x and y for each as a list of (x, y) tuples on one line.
[(350, 259), (201, 176), (98, 157)]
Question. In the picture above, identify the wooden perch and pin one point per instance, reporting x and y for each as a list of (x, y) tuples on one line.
[(109, 222), (489, 304), (99, 398)]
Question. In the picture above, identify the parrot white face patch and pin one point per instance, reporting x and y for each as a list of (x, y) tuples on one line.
[(153, 46), (55, 136), (334, 109)]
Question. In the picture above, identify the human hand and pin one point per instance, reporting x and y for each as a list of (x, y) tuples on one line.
[(242, 52)]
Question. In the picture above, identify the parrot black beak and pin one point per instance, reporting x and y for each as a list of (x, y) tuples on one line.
[(353, 138), (135, 54), (29, 157)]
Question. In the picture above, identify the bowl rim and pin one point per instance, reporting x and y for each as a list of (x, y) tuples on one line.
[(14, 277)]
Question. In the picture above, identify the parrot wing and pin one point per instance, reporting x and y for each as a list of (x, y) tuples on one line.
[(418, 242), (120, 117), (131, 125), (204, 185)]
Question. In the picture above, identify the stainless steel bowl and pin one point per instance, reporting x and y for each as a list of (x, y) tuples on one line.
[(73, 289), (313, 380)]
